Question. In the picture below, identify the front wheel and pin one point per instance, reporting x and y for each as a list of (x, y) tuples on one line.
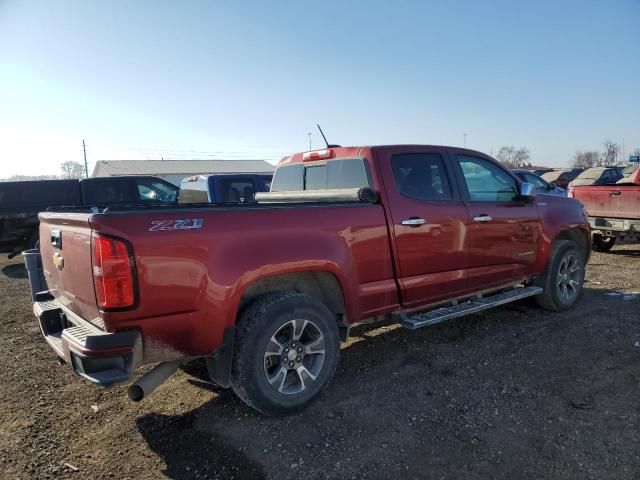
[(286, 350), (602, 244), (563, 279)]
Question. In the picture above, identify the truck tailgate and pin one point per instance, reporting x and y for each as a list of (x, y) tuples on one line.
[(65, 246), (614, 201)]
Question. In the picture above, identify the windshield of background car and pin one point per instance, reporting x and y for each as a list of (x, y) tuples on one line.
[(321, 175), (590, 174), (551, 176)]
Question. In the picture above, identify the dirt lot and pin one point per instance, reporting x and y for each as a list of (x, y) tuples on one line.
[(512, 393)]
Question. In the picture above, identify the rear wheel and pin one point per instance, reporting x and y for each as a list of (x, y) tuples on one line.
[(602, 244), (563, 279), (287, 349)]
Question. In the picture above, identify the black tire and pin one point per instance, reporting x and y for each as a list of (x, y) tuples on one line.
[(262, 330), (557, 276), (602, 244)]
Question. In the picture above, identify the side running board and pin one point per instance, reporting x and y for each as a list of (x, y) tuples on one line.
[(471, 306)]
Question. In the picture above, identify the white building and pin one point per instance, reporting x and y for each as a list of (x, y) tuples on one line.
[(175, 170)]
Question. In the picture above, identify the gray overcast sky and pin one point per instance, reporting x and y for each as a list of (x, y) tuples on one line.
[(241, 79)]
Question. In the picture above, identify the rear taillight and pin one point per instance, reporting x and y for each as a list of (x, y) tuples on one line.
[(113, 276)]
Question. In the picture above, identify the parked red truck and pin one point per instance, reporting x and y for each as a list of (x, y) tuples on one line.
[(613, 210), (265, 292)]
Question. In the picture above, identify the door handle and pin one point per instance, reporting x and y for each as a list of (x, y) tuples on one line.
[(484, 218), (414, 221), (615, 192)]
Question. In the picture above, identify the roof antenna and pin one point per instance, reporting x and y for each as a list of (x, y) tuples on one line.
[(325, 138)]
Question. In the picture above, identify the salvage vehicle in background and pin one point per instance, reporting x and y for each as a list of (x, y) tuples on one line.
[(224, 187), (561, 178), (541, 186), (264, 292), (613, 210), (598, 176), (20, 202)]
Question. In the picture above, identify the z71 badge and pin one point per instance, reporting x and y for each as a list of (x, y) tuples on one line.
[(182, 224)]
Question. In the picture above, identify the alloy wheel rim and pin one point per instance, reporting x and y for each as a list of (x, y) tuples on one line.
[(294, 356), (568, 279)]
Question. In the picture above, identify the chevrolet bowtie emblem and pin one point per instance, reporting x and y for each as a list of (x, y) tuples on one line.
[(58, 260)]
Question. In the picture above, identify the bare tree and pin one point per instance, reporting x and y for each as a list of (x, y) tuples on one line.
[(511, 157), (586, 159), (610, 155), (72, 169), (636, 152)]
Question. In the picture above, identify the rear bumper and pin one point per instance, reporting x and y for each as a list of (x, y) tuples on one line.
[(102, 358), (631, 226)]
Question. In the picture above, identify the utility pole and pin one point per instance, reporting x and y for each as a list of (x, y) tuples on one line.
[(84, 150), (464, 135), (624, 158), (309, 133)]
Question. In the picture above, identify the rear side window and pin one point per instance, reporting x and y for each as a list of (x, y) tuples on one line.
[(422, 176), (110, 190), (344, 173)]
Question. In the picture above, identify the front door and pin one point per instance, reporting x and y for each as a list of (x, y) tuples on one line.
[(503, 229), (429, 224)]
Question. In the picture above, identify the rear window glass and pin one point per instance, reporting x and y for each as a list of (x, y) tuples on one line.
[(344, 173)]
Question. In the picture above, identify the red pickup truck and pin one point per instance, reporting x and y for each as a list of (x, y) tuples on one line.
[(613, 210), (265, 292)]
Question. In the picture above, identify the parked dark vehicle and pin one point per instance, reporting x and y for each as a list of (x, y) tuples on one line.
[(541, 185), (224, 187), (20, 202)]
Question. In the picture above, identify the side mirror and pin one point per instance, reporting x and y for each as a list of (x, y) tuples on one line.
[(527, 191), (553, 185)]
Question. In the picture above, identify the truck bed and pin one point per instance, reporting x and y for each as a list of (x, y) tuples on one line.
[(191, 262)]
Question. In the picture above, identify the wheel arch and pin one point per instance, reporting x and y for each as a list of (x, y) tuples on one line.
[(320, 284), (578, 236)]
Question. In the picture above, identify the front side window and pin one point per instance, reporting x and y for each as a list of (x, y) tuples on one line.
[(534, 180), (342, 173), (487, 182), (422, 176), (154, 191)]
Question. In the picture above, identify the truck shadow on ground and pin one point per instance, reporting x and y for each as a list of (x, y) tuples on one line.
[(625, 253), (15, 270), (451, 380)]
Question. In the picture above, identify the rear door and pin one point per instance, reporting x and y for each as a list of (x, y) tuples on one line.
[(428, 221), (503, 230)]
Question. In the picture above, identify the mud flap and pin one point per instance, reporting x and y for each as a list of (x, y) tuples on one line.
[(219, 362)]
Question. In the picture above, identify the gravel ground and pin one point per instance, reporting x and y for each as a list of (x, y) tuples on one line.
[(511, 393)]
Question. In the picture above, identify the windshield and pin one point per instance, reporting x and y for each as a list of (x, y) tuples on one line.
[(590, 174), (551, 176)]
